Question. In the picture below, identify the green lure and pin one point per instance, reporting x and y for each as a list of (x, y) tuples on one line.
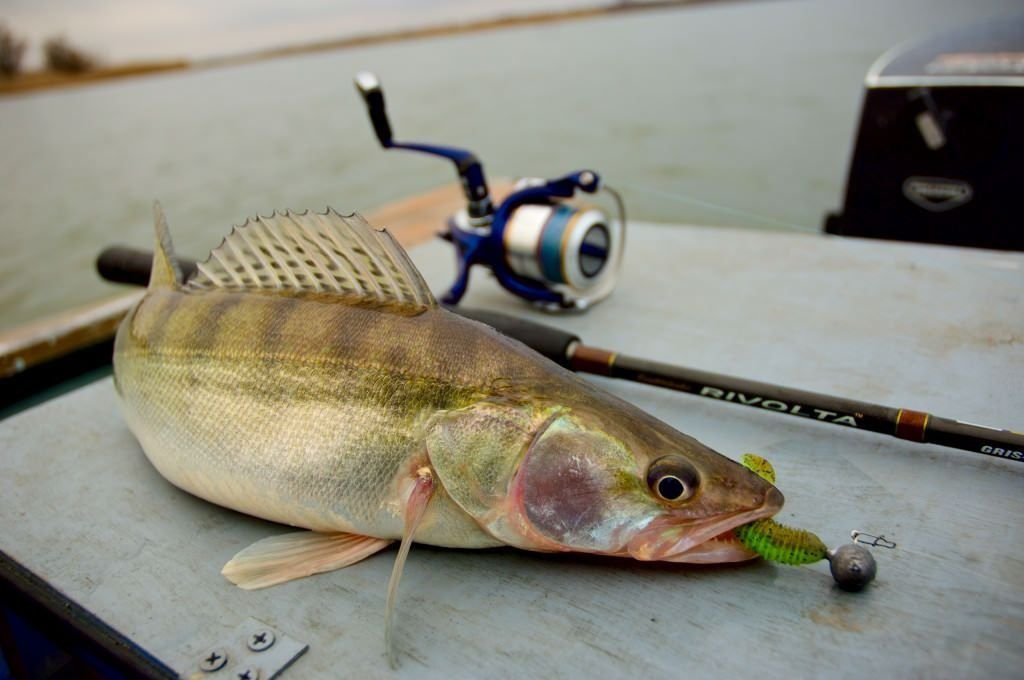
[(774, 541)]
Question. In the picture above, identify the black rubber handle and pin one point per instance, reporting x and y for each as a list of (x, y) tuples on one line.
[(373, 95), (122, 264), (378, 116)]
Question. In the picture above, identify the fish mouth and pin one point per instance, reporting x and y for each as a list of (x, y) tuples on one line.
[(707, 541)]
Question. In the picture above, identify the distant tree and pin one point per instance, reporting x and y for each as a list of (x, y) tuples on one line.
[(64, 57), (12, 49)]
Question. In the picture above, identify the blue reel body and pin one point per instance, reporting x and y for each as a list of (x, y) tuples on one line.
[(542, 248)]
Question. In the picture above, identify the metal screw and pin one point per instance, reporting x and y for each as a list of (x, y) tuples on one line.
[(213, 661), (261, 640), (586, 177), (248, 673)]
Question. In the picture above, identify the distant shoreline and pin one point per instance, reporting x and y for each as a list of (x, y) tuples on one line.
[(44, 80)]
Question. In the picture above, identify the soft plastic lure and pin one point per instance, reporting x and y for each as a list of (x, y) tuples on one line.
[(774, 541), (852, 566)]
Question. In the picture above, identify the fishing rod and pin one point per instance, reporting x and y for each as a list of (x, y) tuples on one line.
[(128, 265)]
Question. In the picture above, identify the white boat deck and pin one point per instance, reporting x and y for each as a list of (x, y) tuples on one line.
[(930, 328)]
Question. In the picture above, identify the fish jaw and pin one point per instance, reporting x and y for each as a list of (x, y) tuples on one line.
[(708, 541)]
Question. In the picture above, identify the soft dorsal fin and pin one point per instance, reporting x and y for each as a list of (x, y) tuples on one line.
[(165, 272), (320, 253)]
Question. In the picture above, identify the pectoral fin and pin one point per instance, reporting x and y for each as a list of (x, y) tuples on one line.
[(290, 556), (415, 506)]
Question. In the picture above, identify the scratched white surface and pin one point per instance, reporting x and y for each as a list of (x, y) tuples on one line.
[(924, 327)]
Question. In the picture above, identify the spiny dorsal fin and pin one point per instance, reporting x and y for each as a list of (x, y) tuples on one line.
[(165, 272), (308, 252)]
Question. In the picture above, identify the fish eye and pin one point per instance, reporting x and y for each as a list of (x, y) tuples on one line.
[(672, 478)]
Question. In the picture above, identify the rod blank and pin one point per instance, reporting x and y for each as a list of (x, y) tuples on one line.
[(903, 423)]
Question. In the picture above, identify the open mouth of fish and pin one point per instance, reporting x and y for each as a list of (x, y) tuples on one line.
[(707, 541)]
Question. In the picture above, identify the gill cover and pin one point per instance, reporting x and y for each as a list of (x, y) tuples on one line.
[(538, 479)]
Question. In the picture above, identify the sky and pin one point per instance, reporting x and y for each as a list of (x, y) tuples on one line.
[(117, 31)]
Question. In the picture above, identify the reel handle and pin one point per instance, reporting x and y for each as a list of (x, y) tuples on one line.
[(467, 165), (369, 87)]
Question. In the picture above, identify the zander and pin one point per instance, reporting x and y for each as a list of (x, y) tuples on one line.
[(306, 375)]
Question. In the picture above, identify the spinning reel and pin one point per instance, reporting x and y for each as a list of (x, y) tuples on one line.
[(557, 255)]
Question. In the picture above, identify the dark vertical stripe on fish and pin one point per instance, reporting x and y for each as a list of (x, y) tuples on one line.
[(162, 317), (208, 324), (275, 339)]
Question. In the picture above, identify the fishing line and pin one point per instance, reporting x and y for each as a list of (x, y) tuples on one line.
[(735, 212)]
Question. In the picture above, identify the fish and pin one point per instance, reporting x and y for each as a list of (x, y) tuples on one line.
[(306, 375)]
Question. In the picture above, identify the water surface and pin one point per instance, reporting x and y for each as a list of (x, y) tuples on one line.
[(749, 105)]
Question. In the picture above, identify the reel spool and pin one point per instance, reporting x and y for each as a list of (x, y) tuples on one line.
[(558, 244), (555, 247), (558, 255)]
